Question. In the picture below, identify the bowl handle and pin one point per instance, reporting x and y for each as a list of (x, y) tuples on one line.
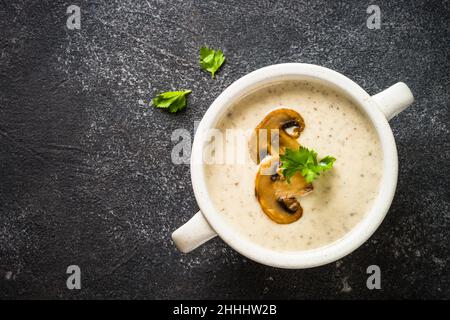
[(193, 233), (394, 99)]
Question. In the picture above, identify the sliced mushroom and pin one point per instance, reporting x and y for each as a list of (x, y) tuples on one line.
[(279, 130), (290, 204), (277, 197)]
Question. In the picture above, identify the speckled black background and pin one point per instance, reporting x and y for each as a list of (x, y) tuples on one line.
[(85, 170)]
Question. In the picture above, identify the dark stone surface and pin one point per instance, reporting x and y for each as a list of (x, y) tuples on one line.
[(85, 170)]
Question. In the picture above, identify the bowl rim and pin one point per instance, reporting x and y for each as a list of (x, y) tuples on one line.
[(352, 239)]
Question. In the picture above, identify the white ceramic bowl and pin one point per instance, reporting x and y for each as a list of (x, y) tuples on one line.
[(379, 108)]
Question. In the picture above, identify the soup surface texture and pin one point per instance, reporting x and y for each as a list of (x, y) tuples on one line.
[(341, 196)]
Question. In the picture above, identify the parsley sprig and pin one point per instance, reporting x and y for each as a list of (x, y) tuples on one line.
[(173, 101), (304, 161), (211, 60)]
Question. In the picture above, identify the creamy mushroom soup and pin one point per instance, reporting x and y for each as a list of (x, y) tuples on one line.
[(340, 197)]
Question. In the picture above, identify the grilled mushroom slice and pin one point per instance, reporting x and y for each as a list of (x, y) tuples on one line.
[(279, 130), (278, 198)]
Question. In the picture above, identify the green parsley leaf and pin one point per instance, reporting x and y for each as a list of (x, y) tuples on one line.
[(173, 101), (326, 163), (304, 161), (211, 60)]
